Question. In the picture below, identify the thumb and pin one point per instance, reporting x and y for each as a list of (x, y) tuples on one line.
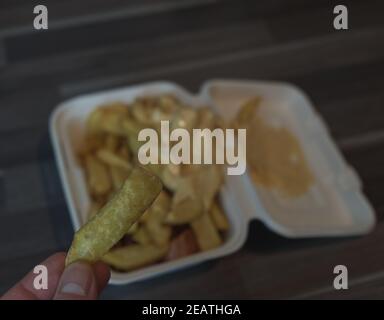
[(78, 282)]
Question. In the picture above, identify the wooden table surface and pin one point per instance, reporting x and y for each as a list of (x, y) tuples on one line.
[(95, 44)]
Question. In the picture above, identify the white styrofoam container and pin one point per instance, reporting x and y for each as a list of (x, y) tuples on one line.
[(335, 205)]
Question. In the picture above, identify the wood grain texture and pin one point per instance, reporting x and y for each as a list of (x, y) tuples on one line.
[(3, 60), (102, 46), (16, 16)]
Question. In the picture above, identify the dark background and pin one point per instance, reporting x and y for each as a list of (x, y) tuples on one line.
[(97, 44)]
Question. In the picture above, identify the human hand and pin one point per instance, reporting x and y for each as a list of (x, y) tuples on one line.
[(79, 281)]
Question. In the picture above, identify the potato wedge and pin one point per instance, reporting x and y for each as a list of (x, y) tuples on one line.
[(112, 159), (134, 256), (170, 176), (154, 220), (159, 233), (94, 208), (118, 176), (98, 179), (218, 217), (92, 143), (247, 112), (141, 236), (185, 212), (124, 153), (133, 228), (116, 107), (93, 124), (206, 118), (207, 183), (112, 122), (206, 233), (184, 118), (112, 142)]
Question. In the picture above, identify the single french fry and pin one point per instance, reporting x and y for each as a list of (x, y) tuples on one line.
[(154, 220), (112, 122), (134, 256), (116, 107), (131, 127), (142, 236), (185, 190), (142, 111), (112, 142), (218, 217), (112, 159), (123, 152), (133, 228), (156, 169), (201, 182), (206, 118), (94, 208), (207, 183), (247, 112), (170, 176), (133, 143), (184, 118), (113, 221), (156, 214), (160, 233), (118, 176), (144, 216), (160, 207), (92, 143), (101, 199), (103, 120), (194, 194), (98, 179), (169, 104), (206, 233), (93, 124), (185, 212)]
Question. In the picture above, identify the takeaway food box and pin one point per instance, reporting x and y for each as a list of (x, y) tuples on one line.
[(334, 205)]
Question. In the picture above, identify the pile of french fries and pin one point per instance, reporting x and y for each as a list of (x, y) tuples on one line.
[(186, 216)]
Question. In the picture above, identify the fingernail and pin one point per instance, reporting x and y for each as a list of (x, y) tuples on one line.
[(76, 279)]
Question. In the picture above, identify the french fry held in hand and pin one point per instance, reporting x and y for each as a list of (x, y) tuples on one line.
[(110, 224)]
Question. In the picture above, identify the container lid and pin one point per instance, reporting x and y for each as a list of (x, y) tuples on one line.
[(333, 204)]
